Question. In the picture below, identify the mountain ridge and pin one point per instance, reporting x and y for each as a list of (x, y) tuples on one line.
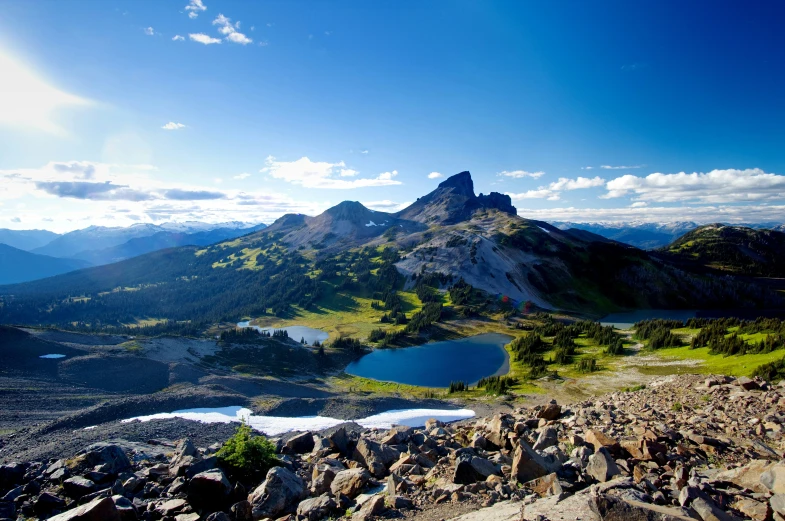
[(17, 266)]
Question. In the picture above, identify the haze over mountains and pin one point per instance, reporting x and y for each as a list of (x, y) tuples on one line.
[(36, 254)]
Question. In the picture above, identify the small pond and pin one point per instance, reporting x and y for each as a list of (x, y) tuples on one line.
[(275, 425), (52, 356), (297, 333), (439, 363)]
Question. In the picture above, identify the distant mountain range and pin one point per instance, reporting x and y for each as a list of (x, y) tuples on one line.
[(26, 239), (20, 266), (645, 235), (448, 234), (98, 245)]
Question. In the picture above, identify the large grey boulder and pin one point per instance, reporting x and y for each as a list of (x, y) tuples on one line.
[(281, 490), (774, 478), (527, 464), (548, 437), (102, 509), (111, 458), (209, 488), (316, 508), (601, 466), (350, 482), (375, 456)]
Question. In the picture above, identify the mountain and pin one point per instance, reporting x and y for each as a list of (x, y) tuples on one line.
[(74, 244), (161, 240), (26, 239), (324, 263), (454, 201), (20, 266), (646, 236), (734, 249)]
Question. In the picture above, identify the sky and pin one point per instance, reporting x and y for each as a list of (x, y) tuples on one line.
[(118, 112)]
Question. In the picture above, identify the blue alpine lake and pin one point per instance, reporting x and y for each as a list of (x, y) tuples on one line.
[(297, 333), (439, 363)]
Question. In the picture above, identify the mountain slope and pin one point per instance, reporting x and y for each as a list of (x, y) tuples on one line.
[(323, 263), (159, 241), (20, 266), (733, 249), (26, 239), (646, 236)]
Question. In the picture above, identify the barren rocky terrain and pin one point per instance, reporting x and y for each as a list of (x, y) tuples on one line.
[(683, 447)]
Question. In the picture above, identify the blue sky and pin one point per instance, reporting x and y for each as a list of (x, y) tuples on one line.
[(581, 111)]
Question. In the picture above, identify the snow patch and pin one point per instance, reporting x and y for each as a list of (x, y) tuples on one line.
[(371, 223), (275, 425), (543, 229)]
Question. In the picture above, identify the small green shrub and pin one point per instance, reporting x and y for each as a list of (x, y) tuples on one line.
[(247, 455), (639, 387), (677, 407)]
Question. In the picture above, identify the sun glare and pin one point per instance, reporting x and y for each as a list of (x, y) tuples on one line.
[(26, 99)]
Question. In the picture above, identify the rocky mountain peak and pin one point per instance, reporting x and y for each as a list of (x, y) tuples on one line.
[(348, 211), (460, 183)]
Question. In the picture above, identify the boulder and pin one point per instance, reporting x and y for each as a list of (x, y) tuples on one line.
[(78, 487), (210, 488), (281, 490), (11, 475), (527, 464), (747, 384), (777, 503), (611, 508), (600, 439), (545, 486), (218, 516), (339, 440), (317, 507), (350, 482), (774, 478), (372, 507), (708, 510), (601, 466), (550, 412), (299, 444), (125, 509), (102, 509), (242, 511), (375, 456), (755, 510), (548, 437), (747, 476), (464, 472), (171, 507), (110, 457), (48, 503)]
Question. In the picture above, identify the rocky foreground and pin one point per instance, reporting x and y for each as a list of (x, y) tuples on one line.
[(685, 447)]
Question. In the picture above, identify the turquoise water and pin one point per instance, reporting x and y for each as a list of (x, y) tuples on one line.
[(437, 364), (295, 332)]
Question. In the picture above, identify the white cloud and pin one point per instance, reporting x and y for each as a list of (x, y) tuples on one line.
[(239, 38), (173, 126), (576, 184), (194, 7), (321, 174), (540, 193), (226, 28), (386, 206), (639, 204), (348, 172), (716, 186), (26, 100), (587, 168), (363, 151), (518, 174), (149, 31), (244, 175), (435, 175), (609, 167), (662, 214), (84, 193), (177, 38), (203, 38), (218, 180)]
